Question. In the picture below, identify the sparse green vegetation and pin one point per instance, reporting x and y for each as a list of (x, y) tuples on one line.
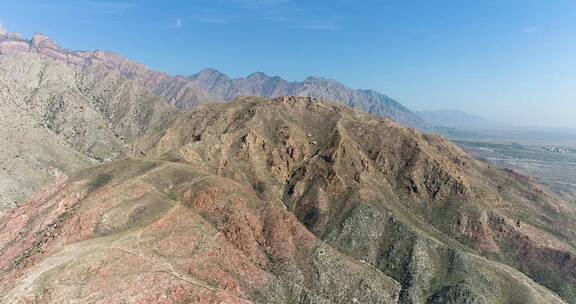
[(173, 195), (99, 181)]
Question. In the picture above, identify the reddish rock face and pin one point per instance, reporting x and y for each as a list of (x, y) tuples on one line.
[(127, 241), (13, 47), (40, 41)]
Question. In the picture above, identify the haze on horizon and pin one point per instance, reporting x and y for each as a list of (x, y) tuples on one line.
[(508, 60)]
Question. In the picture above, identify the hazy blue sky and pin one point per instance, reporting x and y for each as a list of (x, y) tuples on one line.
[(511, 60)]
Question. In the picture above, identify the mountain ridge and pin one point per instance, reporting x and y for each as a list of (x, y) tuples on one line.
[(161, 195), (89, 114), (290, 200), (262, 85), (188, 92)]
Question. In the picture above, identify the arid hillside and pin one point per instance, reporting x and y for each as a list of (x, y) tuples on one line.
[(57, 119), (290, 200)]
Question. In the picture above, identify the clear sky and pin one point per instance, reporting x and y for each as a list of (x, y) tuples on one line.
[(509, 60)]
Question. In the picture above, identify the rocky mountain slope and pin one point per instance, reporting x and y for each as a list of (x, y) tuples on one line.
[(58, 118), (177, 91), (260, 84), (290, 200)]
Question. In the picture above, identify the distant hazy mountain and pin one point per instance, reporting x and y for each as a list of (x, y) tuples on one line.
[(457, 119), (221, 87), (212, 86)]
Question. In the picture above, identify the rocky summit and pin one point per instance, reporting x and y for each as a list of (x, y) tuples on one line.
[(289, 200)]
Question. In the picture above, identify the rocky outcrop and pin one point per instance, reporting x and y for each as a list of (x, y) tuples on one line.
[(12, 44)]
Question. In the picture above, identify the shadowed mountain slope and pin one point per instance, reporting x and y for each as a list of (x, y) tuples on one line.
[(290, 200)]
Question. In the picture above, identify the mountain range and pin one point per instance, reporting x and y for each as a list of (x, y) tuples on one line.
[(210, 85), (259, 84), (80, 108), (124, 185)]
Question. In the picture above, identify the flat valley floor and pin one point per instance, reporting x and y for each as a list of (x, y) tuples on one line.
[(555, 170)]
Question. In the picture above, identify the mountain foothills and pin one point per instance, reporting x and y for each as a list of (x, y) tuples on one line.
[(63, 110), (250, 199)]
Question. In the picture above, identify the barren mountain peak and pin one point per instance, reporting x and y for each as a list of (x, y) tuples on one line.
[(41, 40), (210, 77), (258, 75), (209, 72), (315, 79)]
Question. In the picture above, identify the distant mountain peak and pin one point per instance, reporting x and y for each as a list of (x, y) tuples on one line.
[(258, 76), (211, 85), (321, 80), (314, 79), (209, 74), (263, 85), (210, 71), (41, 40), (5, 35)]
